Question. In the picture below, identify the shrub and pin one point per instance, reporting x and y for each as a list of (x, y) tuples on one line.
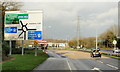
[(5, 50), (16, 51)]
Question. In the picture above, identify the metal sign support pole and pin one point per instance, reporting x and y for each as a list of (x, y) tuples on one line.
[(44, 49), (36, 50), (22, 47), (10, 51), (114, 46)]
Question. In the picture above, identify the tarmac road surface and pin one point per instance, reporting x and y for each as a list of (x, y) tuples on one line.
[(62, 62)]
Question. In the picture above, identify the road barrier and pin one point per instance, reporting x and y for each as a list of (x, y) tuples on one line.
[(112, 54), (106, 53)]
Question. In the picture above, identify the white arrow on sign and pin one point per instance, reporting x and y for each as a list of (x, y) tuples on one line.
[(39, 35)]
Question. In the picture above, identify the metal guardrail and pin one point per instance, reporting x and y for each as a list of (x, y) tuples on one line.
[(112, 54), (107, 53)]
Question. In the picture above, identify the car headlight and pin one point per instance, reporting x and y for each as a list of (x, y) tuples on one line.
[(93, 53)]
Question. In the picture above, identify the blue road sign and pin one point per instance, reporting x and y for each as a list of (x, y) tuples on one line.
[(10, 29), (34, 35)]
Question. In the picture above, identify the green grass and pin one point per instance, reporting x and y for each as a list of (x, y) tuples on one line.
[(106, 48), (24, 63), (68, 48)]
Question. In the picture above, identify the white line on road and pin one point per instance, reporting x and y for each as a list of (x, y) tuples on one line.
[(99, 61), (112, 66), (97, 69), (69, 65), (108, 65)]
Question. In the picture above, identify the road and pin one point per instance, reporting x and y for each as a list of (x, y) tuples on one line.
[(62, 62)]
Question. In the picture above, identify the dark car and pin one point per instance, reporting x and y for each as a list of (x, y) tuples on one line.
[(95, 53)]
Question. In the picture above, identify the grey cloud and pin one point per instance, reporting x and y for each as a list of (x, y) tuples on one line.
[(62, 17)]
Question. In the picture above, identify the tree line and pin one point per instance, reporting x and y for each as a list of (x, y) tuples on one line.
[(105, 40)]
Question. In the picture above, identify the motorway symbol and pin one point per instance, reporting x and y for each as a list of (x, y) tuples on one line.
[(24, 29), (10, 29)]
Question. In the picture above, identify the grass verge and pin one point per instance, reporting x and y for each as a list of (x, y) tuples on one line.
[(106, 48), (116, 57), (24, 63)]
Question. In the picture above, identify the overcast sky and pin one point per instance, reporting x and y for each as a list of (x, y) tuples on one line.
[(60, 18)]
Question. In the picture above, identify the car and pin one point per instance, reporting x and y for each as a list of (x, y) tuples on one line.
[(95, 53), (116, 50)]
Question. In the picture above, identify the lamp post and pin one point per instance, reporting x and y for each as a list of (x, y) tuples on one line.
[(96, 39), (78, 33)]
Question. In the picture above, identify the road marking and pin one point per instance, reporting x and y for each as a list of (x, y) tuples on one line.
[(99, 61), (108, 65), (69, 65), (112, 66), (95, 68)]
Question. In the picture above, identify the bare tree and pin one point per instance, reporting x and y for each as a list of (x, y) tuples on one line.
[(7, 6), (114, 29), (108, 36)]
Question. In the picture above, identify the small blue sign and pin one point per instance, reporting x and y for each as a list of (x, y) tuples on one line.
[(34, 35), (10, 29), (22, 17)]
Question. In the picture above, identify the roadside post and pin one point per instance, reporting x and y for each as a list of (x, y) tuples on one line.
[(35, 43), (114, 42), (10, 51), (22, 47)]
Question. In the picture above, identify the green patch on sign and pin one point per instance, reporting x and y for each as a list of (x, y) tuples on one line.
[(14, 18)]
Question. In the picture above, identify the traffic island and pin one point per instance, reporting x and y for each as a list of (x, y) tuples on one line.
[(24, 63)]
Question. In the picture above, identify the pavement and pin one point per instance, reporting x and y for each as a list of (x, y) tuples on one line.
[(58, 62)]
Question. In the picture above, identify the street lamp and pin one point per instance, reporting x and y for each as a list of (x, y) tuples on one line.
[(78, 33), (96, 39)]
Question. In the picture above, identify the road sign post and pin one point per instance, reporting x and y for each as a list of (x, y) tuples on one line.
[(18, 25), (22, 47), (114, 42), (10, 51), (23, 25), (36, 50), (35, 43)]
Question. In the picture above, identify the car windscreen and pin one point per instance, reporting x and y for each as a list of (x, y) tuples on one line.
[(95, 50)]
